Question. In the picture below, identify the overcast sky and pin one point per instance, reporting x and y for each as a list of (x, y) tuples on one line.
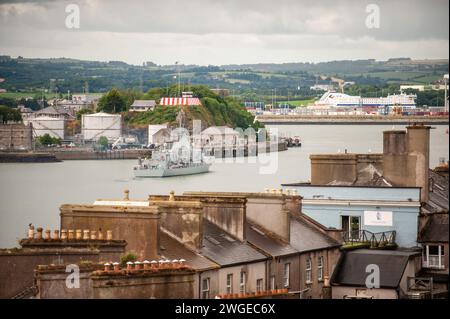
[(225, 31)]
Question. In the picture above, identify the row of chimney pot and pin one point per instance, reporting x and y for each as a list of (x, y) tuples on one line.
[(147, 265), (292, 192), (70, 234)]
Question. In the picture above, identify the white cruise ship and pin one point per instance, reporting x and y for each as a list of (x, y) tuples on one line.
[(340, 100)]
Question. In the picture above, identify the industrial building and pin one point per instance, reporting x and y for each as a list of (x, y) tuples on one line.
[(53, 126), (93, 126)]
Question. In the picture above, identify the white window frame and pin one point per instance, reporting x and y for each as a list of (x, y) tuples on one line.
[(308, 270), (272, 282), (259, 284), (320, 268), (242, 280), (434, 261), (229, 283), (287, 275), (205, 291)]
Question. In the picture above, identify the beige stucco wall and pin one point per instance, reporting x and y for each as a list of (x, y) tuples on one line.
[(218, 278)]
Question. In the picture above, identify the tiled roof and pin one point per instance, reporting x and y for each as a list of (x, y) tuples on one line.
[(438, 194), (305, 238), (226, 250), (173, 249), (266, 243), (143, 103), (435, 230), (351, 269)]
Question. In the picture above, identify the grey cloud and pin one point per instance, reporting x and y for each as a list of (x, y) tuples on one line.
[(236, 31)]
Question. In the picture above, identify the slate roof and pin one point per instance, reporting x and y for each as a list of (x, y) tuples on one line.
[(351, 269), (438, 194), (143, 103), (269, 245), (435, 230), (305, 238), (171, 248), (226, 250)]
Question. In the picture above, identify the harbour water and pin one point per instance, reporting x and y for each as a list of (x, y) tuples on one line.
[(32, 193)]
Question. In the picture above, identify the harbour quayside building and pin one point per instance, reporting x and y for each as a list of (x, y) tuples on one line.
[(344, 101)]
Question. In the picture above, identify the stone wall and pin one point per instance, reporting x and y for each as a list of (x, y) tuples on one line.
[(138, 225), (16, 137), (17, 265), (96, 283)]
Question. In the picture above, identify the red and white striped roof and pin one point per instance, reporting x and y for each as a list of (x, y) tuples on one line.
[(180, 101)]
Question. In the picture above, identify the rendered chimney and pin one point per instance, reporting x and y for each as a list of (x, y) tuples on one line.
[(107, 267), (116, 267), (146, 265), (137, 265)]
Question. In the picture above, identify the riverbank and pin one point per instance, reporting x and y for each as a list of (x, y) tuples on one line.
[(351, 120)]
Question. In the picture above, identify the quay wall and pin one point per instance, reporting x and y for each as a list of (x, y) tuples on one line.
[(346, 120), (26, 157)]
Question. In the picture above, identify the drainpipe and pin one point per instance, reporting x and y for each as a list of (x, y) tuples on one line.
[(199, 285)]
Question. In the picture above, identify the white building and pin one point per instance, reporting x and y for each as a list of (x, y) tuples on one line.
[(142, 105), (220, 136), (158, 134), (53, 126), (93, 126)]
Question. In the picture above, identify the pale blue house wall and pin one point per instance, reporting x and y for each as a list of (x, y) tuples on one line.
[(404, 218)]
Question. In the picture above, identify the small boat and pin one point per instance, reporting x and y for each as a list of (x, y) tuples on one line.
[(294, 141)]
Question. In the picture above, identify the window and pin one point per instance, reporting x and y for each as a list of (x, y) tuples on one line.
[(205, 288), (351, 225), (286, 274), (272, 282), (229, 283), (259, 284), (242, 282), (308, 270), (433, 256), (320, 268)]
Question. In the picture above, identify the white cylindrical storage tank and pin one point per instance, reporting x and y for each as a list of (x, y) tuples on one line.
[(47, 125), (93, 126)]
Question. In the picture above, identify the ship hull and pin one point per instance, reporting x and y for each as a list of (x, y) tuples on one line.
[(167, 172)]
